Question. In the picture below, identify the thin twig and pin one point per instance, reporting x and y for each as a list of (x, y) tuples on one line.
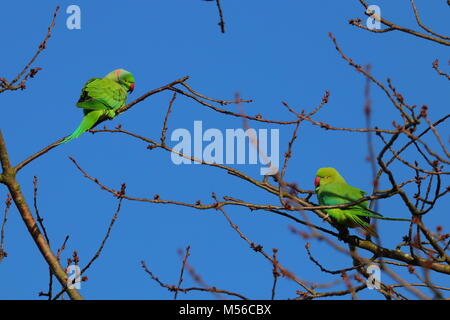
[(391, 27), (105, 238), (213, 290), (183, 265), (40, 220), (169, 109), (5, 85), (5, 218)]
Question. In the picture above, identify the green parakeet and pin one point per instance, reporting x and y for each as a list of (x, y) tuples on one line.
[(102, 97), (331, 189)]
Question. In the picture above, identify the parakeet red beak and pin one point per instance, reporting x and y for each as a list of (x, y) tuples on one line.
[(316, 181), (131, 87)]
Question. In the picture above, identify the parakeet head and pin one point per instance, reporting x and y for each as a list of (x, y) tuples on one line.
[(123, 77), (325, 176)]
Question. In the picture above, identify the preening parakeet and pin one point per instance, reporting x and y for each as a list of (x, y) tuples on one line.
[(102, 96), (331, 189)]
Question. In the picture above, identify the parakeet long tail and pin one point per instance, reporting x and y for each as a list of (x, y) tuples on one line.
[(357, 217), (366, 226), (88, 121), (376, 215)]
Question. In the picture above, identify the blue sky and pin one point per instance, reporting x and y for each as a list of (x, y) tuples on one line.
[(271, 52)]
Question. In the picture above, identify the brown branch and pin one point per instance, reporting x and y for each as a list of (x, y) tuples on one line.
[(259, 249), (435, 65), (288, 153), (391, 27), (5, 85), (183, 265), (424, 27), (322, 268), (437, 135), (40, 220), (219, 8), (305, 296), (415, 167), (3, 253), (275, 272), (222, 22), (258, 118), (395, 186), (169, 109), (350, 240), (105, 238), (62, 248), (108, 232), (412, 142), (302, 116), (9, 179), (185, 290), (425, 145), (359, 68)]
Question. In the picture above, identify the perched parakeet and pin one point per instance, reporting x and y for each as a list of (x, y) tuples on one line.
[(102, 97), (331, 189)]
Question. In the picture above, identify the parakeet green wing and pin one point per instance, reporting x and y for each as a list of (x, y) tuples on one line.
[(353, 216), (101, 94)]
